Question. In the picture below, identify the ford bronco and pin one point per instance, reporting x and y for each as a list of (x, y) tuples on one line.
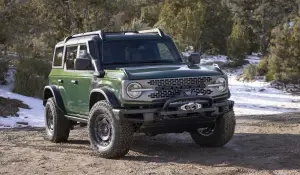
[(121, 83)]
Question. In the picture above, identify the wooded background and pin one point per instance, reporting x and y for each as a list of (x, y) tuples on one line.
[(236, 28)]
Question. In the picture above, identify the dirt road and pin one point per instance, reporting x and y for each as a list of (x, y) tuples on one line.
[(261, 145)]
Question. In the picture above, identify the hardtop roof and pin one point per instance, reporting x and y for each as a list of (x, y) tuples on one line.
[(122, 35)]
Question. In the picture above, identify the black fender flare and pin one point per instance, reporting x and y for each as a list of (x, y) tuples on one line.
[(108, 94), (56, 95)]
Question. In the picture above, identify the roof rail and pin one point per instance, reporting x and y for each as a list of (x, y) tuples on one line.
[(99, 32), (122, 32), (156, 30)]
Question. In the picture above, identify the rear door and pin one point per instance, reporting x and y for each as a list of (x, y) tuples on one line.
[(57, 75), (78, 82)]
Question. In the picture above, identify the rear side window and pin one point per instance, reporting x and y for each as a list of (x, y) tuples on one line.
[(58, 56)]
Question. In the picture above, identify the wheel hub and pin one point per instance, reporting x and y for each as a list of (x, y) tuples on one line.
[(103, 131), (207, 131), (50, 122)]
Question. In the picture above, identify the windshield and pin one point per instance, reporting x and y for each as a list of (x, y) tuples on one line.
[(139, 51)]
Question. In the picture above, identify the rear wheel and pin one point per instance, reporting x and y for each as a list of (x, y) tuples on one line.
[(218, 134), (109, 137), (57, 125)]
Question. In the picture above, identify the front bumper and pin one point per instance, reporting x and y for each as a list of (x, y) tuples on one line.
[(209, 107), (169, 118)]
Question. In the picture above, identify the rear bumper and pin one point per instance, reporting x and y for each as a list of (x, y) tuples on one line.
[(170, 119)]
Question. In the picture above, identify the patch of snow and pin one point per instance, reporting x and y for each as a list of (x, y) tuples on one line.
[(213, 59), (33, 116), (258, 98), (253, 59)]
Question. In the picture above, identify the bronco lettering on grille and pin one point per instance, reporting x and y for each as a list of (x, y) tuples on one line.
[(166, 88)]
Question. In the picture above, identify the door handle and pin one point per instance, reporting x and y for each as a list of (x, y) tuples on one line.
[(60, 81), (74, 81)]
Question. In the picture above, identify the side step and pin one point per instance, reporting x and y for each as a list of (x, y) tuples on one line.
[(78, 118)]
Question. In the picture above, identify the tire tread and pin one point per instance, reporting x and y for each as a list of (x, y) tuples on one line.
[(61, 124), (124, 133), (224, 131)]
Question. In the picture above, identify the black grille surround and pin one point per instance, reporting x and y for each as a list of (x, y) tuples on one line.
[(168, 88)]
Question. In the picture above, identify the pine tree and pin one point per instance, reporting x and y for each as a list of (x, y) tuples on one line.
[(238, 43), (205, 25), (261, 16)]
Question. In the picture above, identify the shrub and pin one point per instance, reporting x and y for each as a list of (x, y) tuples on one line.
[(250, 72), (283, 60), (3, 70), (31, 77), (262, 68), (269, 76), (287, 77)]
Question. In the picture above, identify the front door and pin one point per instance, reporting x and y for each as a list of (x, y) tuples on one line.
[(78, 82)]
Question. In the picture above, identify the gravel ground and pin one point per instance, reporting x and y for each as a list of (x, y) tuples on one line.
[(261, 145)]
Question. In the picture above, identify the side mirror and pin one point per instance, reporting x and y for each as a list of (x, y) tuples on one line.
[(193, 58), (83, 62)]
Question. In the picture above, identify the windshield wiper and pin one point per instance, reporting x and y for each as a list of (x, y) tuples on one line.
[(159, 61), (151, 61), (118, 63)]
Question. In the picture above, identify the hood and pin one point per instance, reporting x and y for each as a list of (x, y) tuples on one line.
[(170, 71)]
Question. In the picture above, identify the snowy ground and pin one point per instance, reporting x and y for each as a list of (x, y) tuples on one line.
[(258, 98), (33, 116), (251, 98)]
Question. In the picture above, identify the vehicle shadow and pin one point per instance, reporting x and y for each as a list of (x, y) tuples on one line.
[(245, 150), (286, 118), (255, 151)]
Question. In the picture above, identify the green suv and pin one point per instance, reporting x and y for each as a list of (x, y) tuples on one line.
[(121, 83)]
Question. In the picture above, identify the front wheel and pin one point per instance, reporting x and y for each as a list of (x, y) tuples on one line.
[(218, 134), (57, 125), (109, 137)]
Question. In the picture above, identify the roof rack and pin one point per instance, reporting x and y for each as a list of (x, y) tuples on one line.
[(120, 32), (156, 30), (101, 33)]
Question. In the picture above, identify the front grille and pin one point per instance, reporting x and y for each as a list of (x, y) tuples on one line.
[(167, 88)]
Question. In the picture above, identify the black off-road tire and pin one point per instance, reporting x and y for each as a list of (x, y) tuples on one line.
[(61, 125), (223, 132), (121, 133)]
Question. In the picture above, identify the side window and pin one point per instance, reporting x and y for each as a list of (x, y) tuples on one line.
[(164, 52), (71, 54), (58, 56)]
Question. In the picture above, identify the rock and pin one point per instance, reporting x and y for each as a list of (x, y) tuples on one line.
[(295, 101), (22, 123), (248, 90), (277, 85), (261, 90)]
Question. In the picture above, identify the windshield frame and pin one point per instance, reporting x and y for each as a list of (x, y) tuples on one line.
[(166, 40)]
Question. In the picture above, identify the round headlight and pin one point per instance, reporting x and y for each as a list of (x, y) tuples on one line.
[(222, 84), (134, 90)]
